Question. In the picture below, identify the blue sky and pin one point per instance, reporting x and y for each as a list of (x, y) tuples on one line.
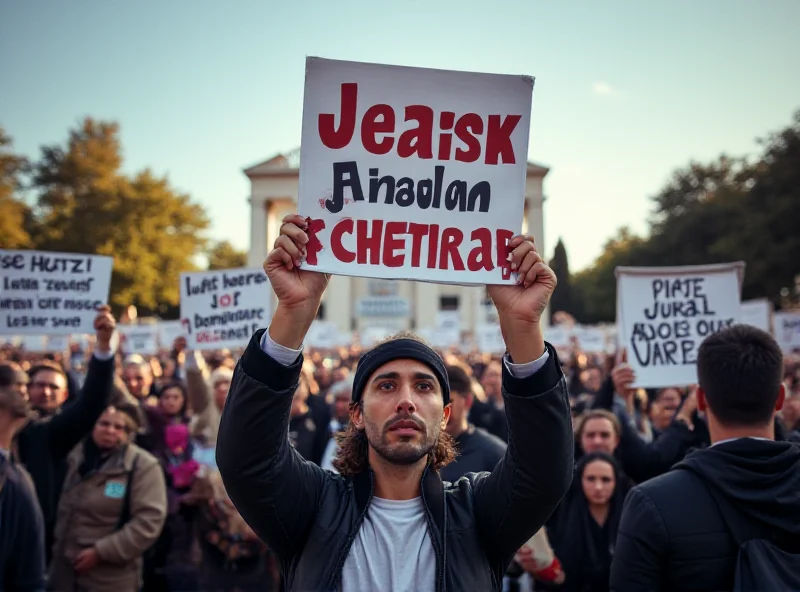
[(626, 91)]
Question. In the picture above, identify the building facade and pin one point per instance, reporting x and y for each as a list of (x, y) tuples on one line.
[(354, 303)]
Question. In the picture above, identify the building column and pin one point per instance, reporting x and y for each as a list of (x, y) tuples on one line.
[(258, 233), (339, 303), (536, 228)]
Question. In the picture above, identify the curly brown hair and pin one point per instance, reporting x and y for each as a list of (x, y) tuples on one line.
[(351, 457)]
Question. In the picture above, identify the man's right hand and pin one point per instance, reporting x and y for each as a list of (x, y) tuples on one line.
[(299, 291), (104, 326)]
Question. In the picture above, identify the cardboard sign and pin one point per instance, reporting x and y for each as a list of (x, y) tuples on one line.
[(168, 332), (222, 309), (45, 293), (490, 339), (323, 335), (787, 330), (758, 313), (412, 173), (664, 313), (139, 339)]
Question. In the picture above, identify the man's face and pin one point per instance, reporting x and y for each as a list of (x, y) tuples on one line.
[(598, 435), (492, 380), (664, 407), (402, 411), (791, 411), (48, 390), (592, 379), (138, 379)]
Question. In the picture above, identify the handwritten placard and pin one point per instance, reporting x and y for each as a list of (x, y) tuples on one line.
[(787, 330), (411, 172), (168, 332), (665, 313), (757, 313), (139, 339), (490, 339), (222, 309), (48, 293)]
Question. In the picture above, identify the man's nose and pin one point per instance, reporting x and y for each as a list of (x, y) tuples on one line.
[(405, 404)]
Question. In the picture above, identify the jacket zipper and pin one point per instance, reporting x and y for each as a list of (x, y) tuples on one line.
[(337, 573), (440, 560)]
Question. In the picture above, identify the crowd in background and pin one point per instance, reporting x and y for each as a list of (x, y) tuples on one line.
[(121, 455)]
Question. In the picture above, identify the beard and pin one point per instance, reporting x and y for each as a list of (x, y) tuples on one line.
[(407, 450)]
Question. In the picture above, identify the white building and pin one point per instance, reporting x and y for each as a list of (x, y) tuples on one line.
[(354, 303)]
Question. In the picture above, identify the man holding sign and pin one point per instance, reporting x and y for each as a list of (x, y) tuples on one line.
[(388, 521)]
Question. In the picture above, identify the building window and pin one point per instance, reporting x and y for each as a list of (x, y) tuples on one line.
[(448, 302)]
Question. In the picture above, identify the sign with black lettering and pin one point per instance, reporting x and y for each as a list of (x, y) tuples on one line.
[(139, 339), (412, 172), (222, 309), (758, 313), (664, 313), (787, 330), (46, 293)]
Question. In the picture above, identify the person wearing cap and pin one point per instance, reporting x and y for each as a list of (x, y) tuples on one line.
[(387, 521)]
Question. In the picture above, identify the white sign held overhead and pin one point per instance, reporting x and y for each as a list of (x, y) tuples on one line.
[(490, 339), (223, 308), (757, 313), (139, 339), (787, 330), (664, 313), (411, 172), (46, 293), (168, 332)]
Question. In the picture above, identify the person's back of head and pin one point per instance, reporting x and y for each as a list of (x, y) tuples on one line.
[(740, 371)]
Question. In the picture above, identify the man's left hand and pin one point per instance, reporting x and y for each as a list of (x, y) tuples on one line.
[(86, 560), (526, 301)]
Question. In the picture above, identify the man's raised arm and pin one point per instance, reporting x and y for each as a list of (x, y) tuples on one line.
[(272, 487), (515, 500)]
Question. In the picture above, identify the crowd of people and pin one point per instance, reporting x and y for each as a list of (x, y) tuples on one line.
[(110, 479)]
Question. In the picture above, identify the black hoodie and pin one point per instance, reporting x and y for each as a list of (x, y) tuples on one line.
[(760, 479), (673, 535)]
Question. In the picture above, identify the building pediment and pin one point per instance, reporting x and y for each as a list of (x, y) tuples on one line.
[(288, 164)]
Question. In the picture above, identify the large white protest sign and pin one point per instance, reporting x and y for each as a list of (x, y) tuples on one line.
[(45, 293), (757, 313), (664, 313), (787, 330), (324, 335), (168, 332), (490, 339), (591, 340), (222, 309), (139, 339), (412, 173)]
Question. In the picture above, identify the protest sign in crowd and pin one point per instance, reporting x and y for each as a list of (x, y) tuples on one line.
[(249, 446)]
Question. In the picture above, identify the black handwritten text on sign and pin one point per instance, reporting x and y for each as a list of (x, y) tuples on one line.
[(677, 320)]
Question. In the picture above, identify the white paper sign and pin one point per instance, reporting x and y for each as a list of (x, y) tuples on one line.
[(559, 336), (168, 332), (665, 313), (34, 343), (58, 343), (757, 313), (787, 330), (490, 339), (45, 293), (441, 338), (223, 308), (369, 336), (323, 335), (591, 340), (412, 173), (139, 339)]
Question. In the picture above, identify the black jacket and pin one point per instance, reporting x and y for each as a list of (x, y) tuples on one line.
[(43, 444), (309, 517), (672, 535), (22, 557)]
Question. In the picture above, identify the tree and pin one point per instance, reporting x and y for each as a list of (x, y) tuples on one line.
[(225, 256), (727, 210), (86, 205), (563, 299), (14, 212)]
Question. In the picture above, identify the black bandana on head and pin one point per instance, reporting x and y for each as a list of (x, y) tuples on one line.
[(399, 349)]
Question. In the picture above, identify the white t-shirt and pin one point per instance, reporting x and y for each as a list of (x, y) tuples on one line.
[(392, 550)]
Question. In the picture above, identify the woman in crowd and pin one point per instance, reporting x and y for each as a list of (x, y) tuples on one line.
[(112, 509), (583, 529)]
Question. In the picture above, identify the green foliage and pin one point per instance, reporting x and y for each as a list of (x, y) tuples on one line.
[(563, 299), (728, 210), (87, 205), (14, 212), (224, 255)]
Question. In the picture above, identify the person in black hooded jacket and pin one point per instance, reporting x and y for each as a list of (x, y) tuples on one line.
[(673, 535)]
